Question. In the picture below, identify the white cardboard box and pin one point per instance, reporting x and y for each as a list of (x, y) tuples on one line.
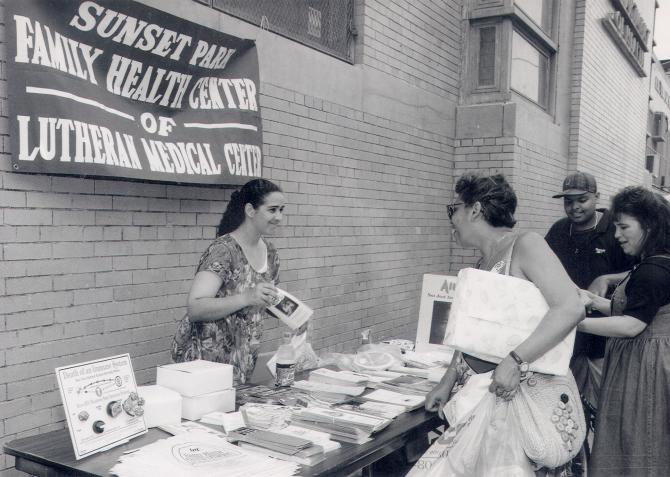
[(162, 405), (194, 407), (195, 378)]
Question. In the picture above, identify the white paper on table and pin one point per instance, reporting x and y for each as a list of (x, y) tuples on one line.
[(230, 421), (195, 454)]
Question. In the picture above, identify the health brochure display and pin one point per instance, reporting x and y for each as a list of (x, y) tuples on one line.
[(101, 404)]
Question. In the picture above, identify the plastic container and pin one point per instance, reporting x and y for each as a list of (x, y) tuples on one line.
[(286, 359)]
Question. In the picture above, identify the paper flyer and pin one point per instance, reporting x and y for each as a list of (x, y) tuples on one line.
[(291, 311), (437, 294), (101, 404)]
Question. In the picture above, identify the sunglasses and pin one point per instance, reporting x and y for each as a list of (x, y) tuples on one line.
[(451, 209)]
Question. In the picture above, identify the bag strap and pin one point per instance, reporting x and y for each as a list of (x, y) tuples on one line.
[(508, 258)]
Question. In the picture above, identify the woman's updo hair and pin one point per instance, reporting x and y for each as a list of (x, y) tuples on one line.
[(254, 193), (652, 211), (495, 195)]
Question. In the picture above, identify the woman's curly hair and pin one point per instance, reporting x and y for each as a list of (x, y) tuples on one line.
[(652, 210), (496, 196)]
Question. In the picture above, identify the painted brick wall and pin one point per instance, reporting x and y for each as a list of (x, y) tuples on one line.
[(610, 101), (91, 268)]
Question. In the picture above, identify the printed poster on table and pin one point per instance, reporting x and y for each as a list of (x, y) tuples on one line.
[(119, 89), (437, 294), (101, 404)]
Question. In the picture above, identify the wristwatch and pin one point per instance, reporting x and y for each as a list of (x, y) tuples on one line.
[(523, 365)]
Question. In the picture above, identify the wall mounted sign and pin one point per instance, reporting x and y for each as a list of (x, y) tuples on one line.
[(119, 89), (101, 404), (629, 32)]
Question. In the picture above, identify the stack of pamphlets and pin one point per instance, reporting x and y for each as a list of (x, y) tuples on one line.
[(197, 453), (374, 408), (342, 378), (409, 401), (317, 437), (266, 416), (271, 395), (407, 385), (343, 425), (318, 387), (281, 446)]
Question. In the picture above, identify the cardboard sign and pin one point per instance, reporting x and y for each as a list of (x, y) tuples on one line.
[(437, 293), (99, 406)]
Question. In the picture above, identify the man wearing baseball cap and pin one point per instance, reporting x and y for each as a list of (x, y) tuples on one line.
[(584, 242)]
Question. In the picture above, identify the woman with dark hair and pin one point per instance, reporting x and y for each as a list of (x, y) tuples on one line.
[(482, 217), (632, 435), (234, 283)]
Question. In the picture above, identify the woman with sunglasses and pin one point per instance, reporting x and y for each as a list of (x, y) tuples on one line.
[(633, 425), (482, 217)]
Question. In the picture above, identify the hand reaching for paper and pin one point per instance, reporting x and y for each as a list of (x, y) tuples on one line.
[(263, 294)]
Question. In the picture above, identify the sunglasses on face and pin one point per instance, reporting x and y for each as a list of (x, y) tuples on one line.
[(451, 209)]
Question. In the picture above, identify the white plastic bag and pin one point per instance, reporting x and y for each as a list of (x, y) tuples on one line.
[(483, 444), (467, 397), (306, 358)]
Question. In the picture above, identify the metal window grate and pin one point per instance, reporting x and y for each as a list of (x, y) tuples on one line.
[(325, 25)]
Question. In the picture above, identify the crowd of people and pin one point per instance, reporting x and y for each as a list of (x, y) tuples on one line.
[(605, 272), (621, 357)]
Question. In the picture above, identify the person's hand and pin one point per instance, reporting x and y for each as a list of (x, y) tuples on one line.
[(302, 329), (588, 299), (262, 294), (506, 379), (600, 286), (437, 398)]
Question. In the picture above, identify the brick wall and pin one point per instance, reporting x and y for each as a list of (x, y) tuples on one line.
[(91, 268), (418, 42), (610, 103)]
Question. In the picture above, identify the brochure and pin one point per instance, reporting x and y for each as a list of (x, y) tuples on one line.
[(291, 311), (101, 404), (437, 294)]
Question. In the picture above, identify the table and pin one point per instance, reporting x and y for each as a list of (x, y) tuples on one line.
[(51, 454)]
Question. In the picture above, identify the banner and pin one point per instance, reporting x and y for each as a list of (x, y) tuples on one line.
[(119, 89)]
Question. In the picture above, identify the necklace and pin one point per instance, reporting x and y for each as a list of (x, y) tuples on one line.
[(495, 250), (593, 227), (598, 216)]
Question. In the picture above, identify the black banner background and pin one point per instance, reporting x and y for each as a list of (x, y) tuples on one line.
[(63, 123)]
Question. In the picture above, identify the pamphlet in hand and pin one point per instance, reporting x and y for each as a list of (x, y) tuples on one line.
[(290, 310)]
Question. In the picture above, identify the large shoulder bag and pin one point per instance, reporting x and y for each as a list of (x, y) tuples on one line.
[(551, 418)]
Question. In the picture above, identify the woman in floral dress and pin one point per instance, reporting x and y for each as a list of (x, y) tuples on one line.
[(234, 283)]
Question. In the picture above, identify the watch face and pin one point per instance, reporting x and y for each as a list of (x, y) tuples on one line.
[(523, 367)]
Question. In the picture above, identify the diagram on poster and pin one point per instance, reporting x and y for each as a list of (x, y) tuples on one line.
[(437, 294), (101, 404)]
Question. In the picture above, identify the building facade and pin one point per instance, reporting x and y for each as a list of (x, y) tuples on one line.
[(366, 139), (658, 150)]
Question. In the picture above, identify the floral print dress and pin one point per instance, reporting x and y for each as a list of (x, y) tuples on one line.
[(234, 339)]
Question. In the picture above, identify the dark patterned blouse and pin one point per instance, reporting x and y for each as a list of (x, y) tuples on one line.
[(234, 339)]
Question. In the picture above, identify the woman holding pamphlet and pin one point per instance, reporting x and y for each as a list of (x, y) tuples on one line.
[(633, 425), (234, 283), (482, 216)]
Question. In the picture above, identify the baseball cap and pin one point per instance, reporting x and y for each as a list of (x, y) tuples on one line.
[(578, 183)]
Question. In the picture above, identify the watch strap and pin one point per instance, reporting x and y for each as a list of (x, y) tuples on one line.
[(516, 357)]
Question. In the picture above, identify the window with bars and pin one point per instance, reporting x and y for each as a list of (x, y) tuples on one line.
[(325, 25)]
